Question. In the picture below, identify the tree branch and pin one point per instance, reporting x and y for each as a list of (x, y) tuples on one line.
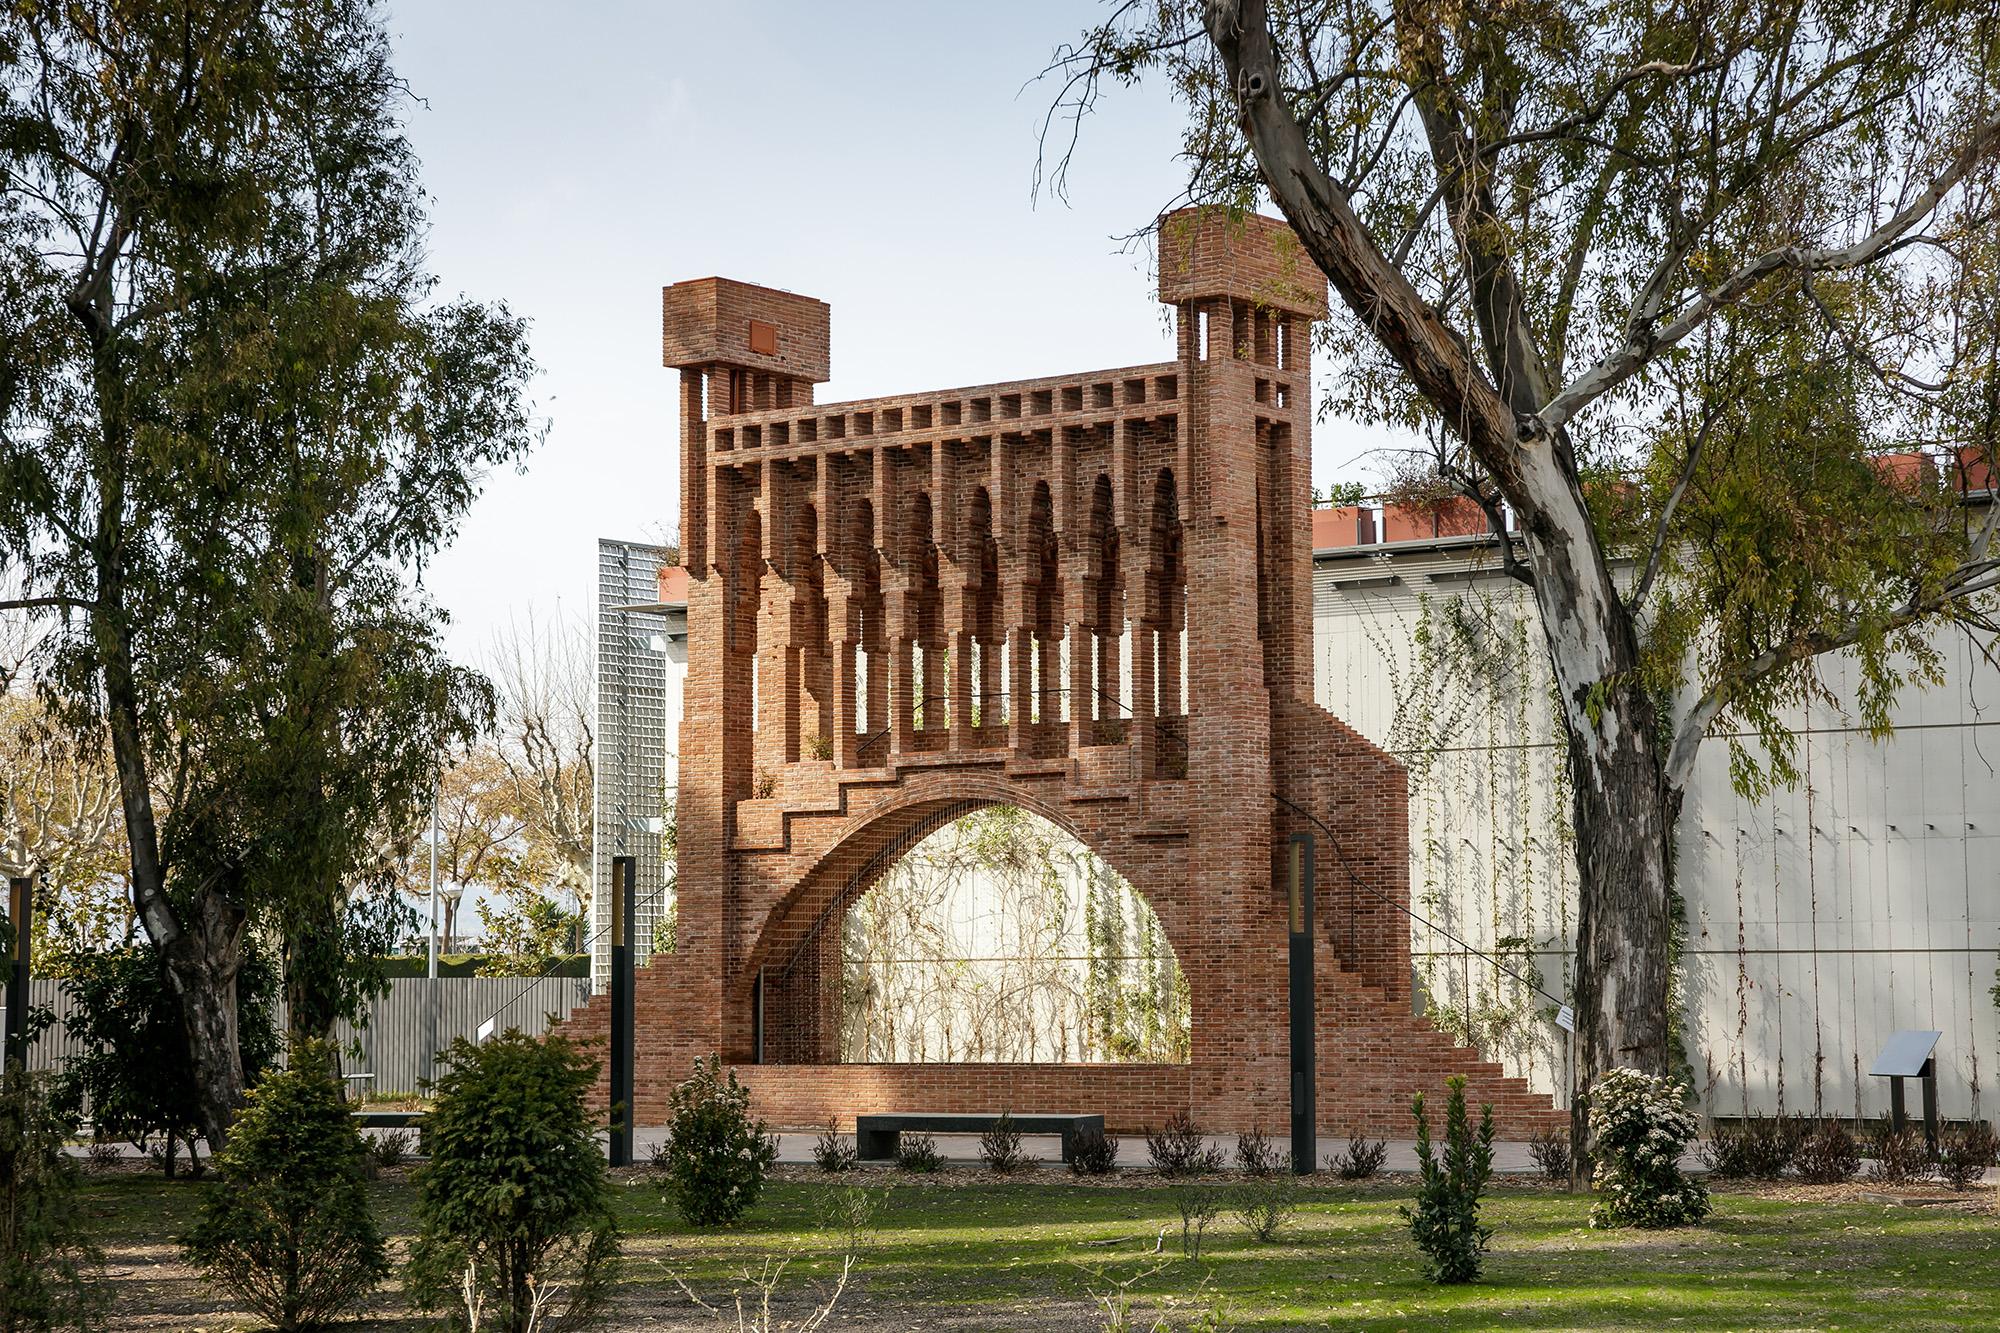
[(1645, 342), (1656, 552)]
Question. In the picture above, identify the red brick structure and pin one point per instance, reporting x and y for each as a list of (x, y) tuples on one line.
[(905, 608)]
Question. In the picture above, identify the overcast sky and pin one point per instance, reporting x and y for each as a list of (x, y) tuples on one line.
[(876, 155)]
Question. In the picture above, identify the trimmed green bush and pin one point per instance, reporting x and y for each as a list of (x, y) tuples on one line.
[(47, 1260), (1641, 1126), (286, 1226), (515, 1201), (1445, 1222), (717, 1156)]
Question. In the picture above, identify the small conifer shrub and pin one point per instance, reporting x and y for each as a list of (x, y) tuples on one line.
[(1445, 1221), (286, 1225), (514, 1207)]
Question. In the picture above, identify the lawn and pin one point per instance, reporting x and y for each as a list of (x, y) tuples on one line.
[(967, 1251)]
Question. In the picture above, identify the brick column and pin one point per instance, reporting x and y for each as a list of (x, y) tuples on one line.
[(1082, 675), (902, 654), (1145, 726), (841, 617)]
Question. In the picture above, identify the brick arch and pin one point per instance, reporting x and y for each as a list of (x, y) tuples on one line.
[(1179, 799), (794, 953)]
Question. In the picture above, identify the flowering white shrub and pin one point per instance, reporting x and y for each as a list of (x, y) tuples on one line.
[(1641, 1126)]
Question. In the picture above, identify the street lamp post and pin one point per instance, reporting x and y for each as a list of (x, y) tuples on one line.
[(20, 912), (623, 920), (1305, 1138)]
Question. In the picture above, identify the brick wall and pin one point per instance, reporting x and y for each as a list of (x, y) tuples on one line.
[(1084, 518)]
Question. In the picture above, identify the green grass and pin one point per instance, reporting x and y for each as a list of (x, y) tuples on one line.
[(1014, 1252)]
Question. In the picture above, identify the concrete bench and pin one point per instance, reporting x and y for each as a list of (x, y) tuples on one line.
[(877, 1137), (395, 1120)]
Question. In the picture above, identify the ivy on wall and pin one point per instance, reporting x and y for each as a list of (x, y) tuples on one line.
[(1001, 938), (1492, 851)]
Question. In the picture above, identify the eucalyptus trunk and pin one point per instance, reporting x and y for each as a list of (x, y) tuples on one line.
[(1623, 808), (202, 942)]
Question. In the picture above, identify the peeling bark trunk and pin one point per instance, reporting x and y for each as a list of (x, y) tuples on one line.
[(201, 944)]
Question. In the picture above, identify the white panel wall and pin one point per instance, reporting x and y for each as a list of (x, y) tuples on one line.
[(1819, 919)]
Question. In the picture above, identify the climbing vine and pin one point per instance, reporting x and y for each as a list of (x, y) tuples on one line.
[(1471, 717), (1001, 938)]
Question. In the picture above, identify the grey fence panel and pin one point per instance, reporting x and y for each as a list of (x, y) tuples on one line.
[(419, 1016), (51, 1051), (402, 1028)]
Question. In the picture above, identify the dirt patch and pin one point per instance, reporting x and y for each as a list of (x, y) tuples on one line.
[(1978, 1199)]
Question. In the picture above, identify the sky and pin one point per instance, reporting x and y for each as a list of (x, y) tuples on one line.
[(879, 156)]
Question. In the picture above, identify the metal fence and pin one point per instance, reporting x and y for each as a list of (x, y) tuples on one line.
[(401, 1029)]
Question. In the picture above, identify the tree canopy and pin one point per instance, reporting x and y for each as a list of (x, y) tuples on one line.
[(1698, 302), (235, 421)]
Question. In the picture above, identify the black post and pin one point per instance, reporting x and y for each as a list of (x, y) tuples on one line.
[(624, 918), (21, 914), (1898, 1119), (1930, 1103), (1305, 1138)]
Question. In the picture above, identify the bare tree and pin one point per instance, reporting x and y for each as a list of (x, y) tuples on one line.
[(544, 670)]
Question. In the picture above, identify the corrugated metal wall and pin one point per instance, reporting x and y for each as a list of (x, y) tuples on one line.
[(403, 1027), (1820, 920)]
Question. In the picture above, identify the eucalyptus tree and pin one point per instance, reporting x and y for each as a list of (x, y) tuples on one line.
[(1660, 284), (233, 420)]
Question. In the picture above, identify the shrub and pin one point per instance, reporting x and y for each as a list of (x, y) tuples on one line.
[(1641, 1128), (1550, 1149), (832, 1153), (717, 1156), (286, 1226), (129, 1060), (1760, 1148), (1094, 1153), (1257, 1154), (848, 1211), (1722, 1152), (1200, 1202), (1362, 1158), (1445, 1222), (47, 1259), (1827, 1155), (515, 1201), (918, 1153), (1179, 1150), (1902, 1157), (1266, 1201), (1000, 1146), (392, 1147), (1964, 1154)]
